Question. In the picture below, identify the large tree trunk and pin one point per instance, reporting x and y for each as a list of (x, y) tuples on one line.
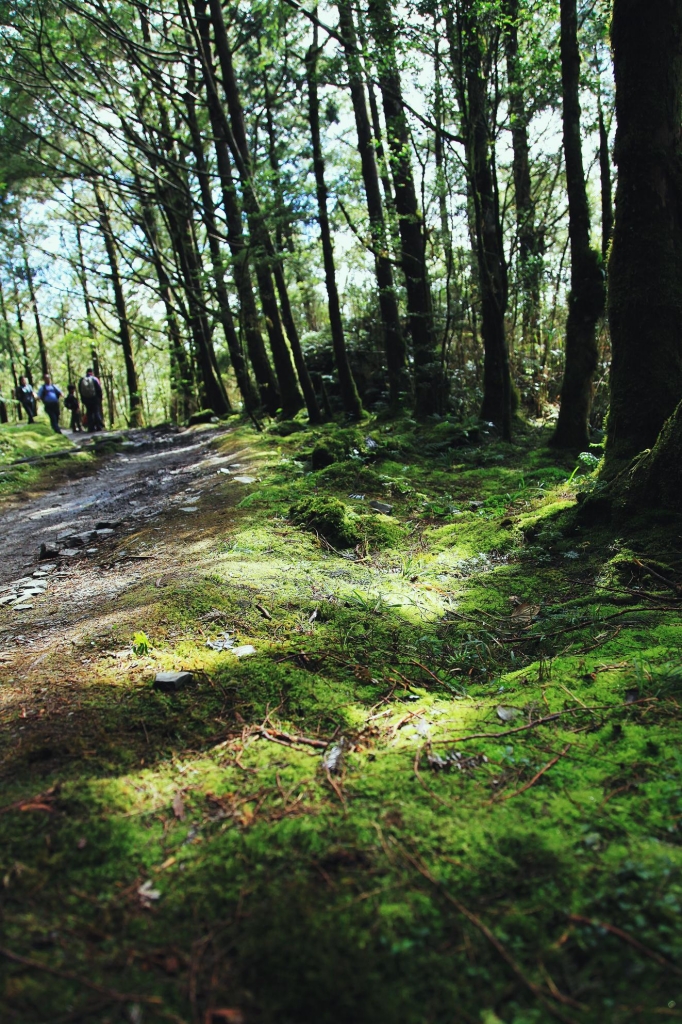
[(22, 335), (134, 396), (396, 354), (269, 261), (586, 298), (606, 186), (530, 240), (645, 270), (349, 392), (492, 268), (429, 392)]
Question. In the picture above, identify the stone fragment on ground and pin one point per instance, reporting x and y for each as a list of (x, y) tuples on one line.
[(169, 682), (381, 506)]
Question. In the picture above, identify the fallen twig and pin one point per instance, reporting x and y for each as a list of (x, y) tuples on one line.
[(37, 802), (538, 775), (543, 995), (626, 937), (110, 993), (287, 739)]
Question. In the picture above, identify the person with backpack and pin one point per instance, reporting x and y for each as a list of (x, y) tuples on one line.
[(71, 403), (90, 391), (49, 394), (25, 395)]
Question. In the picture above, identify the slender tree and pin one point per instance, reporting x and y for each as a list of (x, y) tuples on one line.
[(587, 295), (349, 392)]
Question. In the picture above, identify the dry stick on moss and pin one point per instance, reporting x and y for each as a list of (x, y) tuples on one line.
[(676, 587), (538, 775), (288, 740), (537, 991), (626, 937), (110, 993), (543, 721)]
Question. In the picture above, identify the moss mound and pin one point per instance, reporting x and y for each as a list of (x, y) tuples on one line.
[(329, 517)]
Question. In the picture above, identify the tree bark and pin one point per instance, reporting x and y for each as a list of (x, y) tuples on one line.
[(587, 295), (396, 353), (469, 51), (645, 269), (82, 276), (349, 392), (22, 335), (134, 397), (606, 187), (429, 392)]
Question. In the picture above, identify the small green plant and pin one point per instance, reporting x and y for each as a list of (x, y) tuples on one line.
[(588, 461), (141, 644)]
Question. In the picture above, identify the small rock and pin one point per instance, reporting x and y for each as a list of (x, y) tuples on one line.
[(380, 506), (188, 508), (70, 552), (245, 479), (224, 470), (91, 551), (244, 650), (169, 682), (48, 551), (106, 525), (104, 531), (9, 598), (21, 607), (507, 714)]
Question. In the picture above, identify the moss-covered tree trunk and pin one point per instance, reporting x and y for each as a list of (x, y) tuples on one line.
[(645, 270), (587, 296)]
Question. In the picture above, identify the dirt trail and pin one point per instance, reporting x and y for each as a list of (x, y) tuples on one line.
[(157, 486)]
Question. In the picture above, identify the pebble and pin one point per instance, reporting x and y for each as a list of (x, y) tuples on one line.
[(8, 598), (245, 479), (244, 650), (380, 506), (188, 508), (70, 552), (21, 607)]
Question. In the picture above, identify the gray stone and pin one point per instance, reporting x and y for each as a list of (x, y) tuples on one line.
[(106, 525), (169, 682), (104, 531), (244, 650), (21, 607), (48, 551), (70, 552), (380, 506), (245, 479), (9, 598)]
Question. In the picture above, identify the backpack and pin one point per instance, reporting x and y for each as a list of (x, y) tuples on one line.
[(88, 389)]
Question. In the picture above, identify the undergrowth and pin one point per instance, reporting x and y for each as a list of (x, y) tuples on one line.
[(445, 788)]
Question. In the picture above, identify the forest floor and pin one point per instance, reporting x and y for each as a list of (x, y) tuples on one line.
[(438, 782)]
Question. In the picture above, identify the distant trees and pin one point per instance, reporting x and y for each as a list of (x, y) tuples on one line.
[(259, 204)]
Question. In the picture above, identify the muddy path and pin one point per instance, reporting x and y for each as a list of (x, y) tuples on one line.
[(150, 472)]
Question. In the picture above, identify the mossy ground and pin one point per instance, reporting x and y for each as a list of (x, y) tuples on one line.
[(168, 856), (28, 441)]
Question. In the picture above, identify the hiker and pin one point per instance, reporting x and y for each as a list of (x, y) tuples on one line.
[(26, 397), (71, 403), (49, 394), (90, 391)]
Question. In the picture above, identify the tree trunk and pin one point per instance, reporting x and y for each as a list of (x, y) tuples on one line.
[(606, 186), (42, 348), (9, 348), (349, 392), (586, 298), (257, 226), (87, 302), (134, 397), (396, 354), (244, 383), (530, 241), (181, 382), (645, 269), (22, 336), (429, 393), (492, 269)]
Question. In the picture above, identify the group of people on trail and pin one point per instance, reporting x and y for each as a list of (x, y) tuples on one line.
[(89, 392)]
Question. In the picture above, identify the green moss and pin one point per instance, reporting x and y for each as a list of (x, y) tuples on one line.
[(329, 517)]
